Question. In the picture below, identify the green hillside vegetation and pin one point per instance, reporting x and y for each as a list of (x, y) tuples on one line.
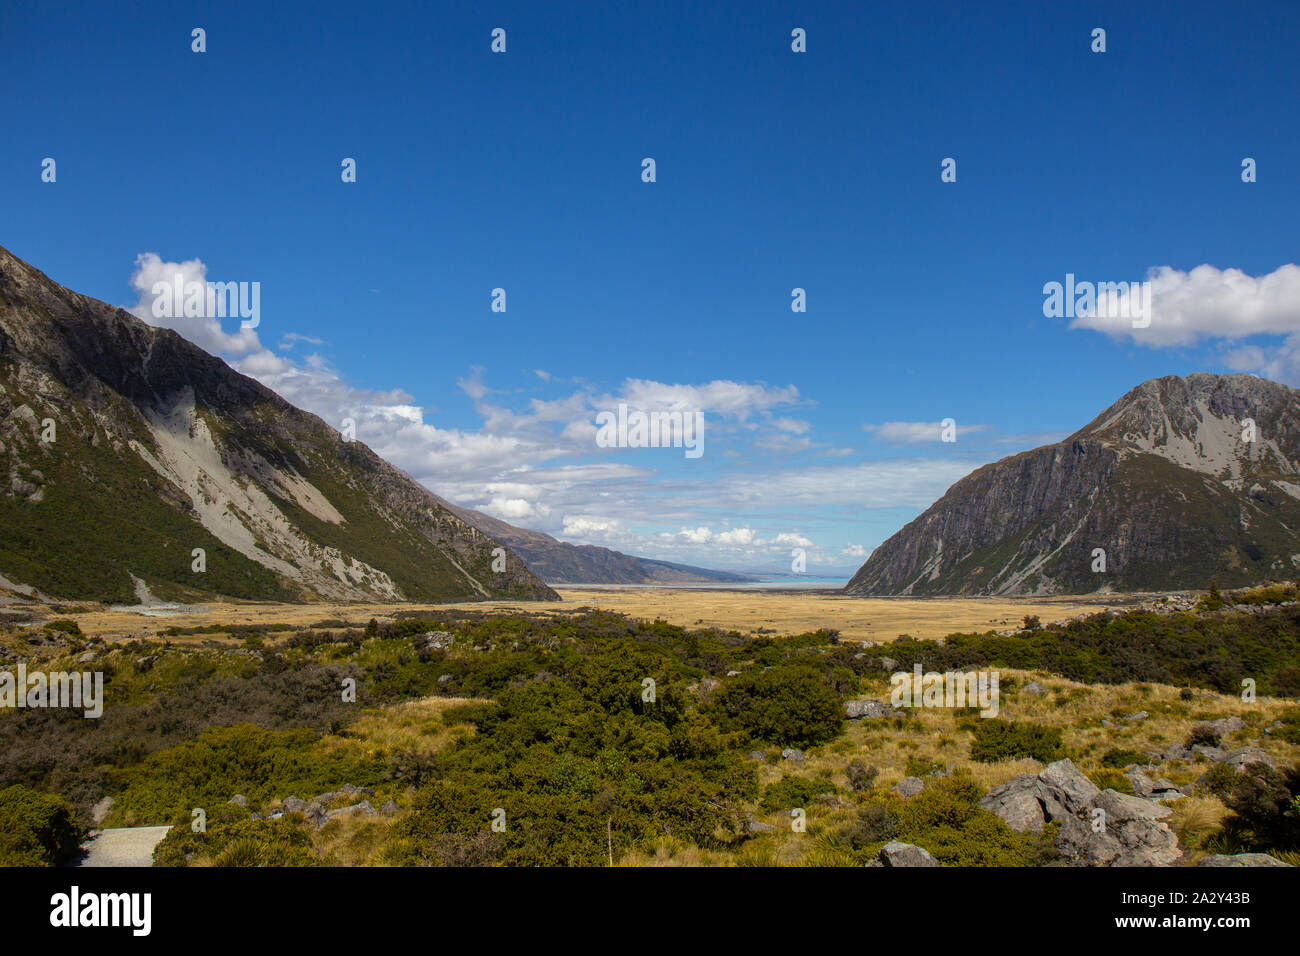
[(550, 725)]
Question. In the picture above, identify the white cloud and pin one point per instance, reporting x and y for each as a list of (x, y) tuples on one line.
[(916, 433), (1228, 305), (206, 333), (538, 465)]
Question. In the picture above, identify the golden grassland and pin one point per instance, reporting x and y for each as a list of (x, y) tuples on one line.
[(779, 612), (935, 738)]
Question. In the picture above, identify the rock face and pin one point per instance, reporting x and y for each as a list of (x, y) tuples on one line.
[(1162, 481), (130, 447)]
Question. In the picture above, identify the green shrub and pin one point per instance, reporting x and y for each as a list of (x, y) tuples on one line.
[(1203, 734), (37, 829), (233, 838), (918, 766), (946, 819), (65, 626), (261, 764), (1290, 729), (861, 777), (1220, 779), (1117, 759), (1007, 740), (791, 791), (787, 705), (1109, 779), (1265, 805), (873, 824)]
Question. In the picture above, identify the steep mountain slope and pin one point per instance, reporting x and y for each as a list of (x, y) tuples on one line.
[(159, 448), (558, 562), (1162, 482)]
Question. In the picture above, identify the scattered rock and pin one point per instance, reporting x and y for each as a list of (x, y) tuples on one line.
[(1131, 834), (794, 756), (857, 709), (435, 640), (315, 814), (1142, 785), (909, 787), (1068, 784), (888, 664), (363, 809), (239, 800), (759, 755), (293, 805), (86, 658), (1139, 716), (1018, 802), (389, 809), (1034, 687), (733, 673), (1248, 755), (894, 854), (1164, 789), (444, 678), (1029, 801), (758, 826), (1227, 725), (1241, 859)]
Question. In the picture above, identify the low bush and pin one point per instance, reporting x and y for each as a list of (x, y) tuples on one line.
[(1008, 740), (37, 829)]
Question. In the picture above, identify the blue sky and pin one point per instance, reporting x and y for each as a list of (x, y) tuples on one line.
[(775, 170)]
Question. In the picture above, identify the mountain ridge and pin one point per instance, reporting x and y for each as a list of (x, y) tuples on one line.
[(160, 448), (1163, 482)]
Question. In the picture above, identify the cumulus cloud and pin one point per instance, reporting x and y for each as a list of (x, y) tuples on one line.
[(1227, 305), (534, 462), (151, 273)]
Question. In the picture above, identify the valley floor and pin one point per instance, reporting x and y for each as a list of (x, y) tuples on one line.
[(773, 611)]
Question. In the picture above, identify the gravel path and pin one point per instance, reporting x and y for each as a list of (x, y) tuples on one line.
[(123, 846)]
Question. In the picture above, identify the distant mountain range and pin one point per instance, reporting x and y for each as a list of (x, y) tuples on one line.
[(136, 463), (558, 562), (1181, 481)]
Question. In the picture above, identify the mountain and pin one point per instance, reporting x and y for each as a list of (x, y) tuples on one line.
[(1162, 481), (558, 562), (125, 447)]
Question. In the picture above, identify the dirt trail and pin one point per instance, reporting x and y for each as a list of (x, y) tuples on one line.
[(121, 846)]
